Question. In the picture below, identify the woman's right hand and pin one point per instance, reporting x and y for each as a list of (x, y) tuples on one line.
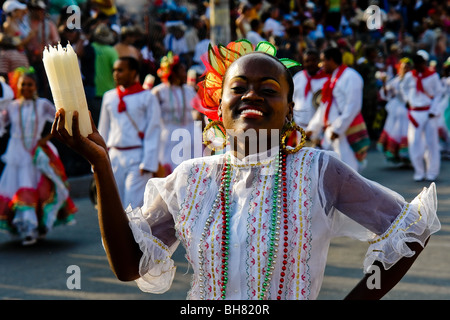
[(93, 147)]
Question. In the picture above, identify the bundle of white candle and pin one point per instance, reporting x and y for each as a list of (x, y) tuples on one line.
[(64, 76)]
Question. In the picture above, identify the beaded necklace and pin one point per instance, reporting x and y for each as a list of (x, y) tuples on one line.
[(279, 205), (22, 125)]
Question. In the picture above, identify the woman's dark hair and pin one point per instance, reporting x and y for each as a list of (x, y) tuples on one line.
[(30, 75)]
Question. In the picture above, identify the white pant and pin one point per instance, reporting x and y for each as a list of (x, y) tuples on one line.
[(423, 146), (130, 182)]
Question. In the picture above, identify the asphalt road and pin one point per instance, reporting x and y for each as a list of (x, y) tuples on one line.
[(45, 271)]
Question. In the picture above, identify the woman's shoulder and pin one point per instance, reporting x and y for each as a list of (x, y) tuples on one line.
[(206, 160)]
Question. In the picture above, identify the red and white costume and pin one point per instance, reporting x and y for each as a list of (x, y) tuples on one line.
[(130, 124), (422, 91), (305, 86)]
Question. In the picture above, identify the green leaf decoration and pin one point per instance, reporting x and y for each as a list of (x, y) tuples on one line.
[(266, 47), (227, 53), (289, 63), (244, 46), (216, 63)]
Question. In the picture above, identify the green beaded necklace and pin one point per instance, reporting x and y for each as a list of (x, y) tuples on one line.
[(278, 205)]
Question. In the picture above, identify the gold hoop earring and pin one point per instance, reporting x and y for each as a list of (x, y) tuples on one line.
[(292, 127), (208, 137)]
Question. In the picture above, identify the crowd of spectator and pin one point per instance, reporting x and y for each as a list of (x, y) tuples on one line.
[(103, 30)]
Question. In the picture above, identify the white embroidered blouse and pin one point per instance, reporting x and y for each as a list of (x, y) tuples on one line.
[(326, 198)]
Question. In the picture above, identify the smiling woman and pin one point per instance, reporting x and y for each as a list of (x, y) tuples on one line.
[(255, 225)]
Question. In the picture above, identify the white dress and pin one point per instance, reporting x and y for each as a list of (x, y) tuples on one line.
[(25, 167), (326, 199), (393, 141), (177, 127)]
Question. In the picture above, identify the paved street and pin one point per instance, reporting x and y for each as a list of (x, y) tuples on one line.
[(40, 271)]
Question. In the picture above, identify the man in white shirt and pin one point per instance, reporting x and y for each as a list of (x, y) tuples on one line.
[(175, 41), (254, 35), (422, 89), (307, 83), (341, 103), (129, 122), (273, 27)]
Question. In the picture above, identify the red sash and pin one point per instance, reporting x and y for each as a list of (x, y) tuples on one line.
[(411, 118), (327, 92), (135, 88), (356, 134), (319, 75), (419, 76)]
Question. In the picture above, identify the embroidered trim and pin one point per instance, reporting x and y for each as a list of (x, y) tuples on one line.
[(394, 225)]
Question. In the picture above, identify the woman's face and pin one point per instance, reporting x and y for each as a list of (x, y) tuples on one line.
[(255, 94), (27, 87)]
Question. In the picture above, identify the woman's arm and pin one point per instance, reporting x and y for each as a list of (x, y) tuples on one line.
[(122, 251), (398, 230), (388, 279)]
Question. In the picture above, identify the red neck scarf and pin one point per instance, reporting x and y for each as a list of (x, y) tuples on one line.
[(419, 76), (319, 75), (327, 91), (135, 88)]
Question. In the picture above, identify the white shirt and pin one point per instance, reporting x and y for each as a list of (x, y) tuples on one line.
[(118, 130), (254, 37), (303, 105), (177, 46), (347, 103), (326, 199), (432, 86), (273, 26)]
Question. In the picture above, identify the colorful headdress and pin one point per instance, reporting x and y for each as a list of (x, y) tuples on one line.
[(15, 75), (406, 60), (166, 66), (217, 60)]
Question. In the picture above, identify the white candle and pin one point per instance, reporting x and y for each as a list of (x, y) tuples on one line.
[(64, 77)]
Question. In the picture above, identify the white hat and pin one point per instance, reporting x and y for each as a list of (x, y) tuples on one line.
[(423, 54), (11, 5)]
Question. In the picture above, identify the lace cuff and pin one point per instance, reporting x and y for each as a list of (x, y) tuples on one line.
[(156, 267), (416, 222)]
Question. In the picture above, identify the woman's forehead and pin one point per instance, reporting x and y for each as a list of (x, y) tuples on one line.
[(256, 64)]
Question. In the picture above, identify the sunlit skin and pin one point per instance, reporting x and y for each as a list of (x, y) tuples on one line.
[(27, 87), (122, 74), (311, 63), (255, 96)]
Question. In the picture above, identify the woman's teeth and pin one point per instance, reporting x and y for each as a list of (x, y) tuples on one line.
[(252, 111)]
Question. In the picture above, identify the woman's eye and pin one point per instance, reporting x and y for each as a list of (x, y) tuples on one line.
[(238, 89), (270, 91)]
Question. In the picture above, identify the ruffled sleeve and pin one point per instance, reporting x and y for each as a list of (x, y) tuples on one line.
[(156, 267), (154, 231), (365, 210), (416, 222)]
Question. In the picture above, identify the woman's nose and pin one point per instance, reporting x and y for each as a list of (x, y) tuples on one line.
[(251, 94)]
